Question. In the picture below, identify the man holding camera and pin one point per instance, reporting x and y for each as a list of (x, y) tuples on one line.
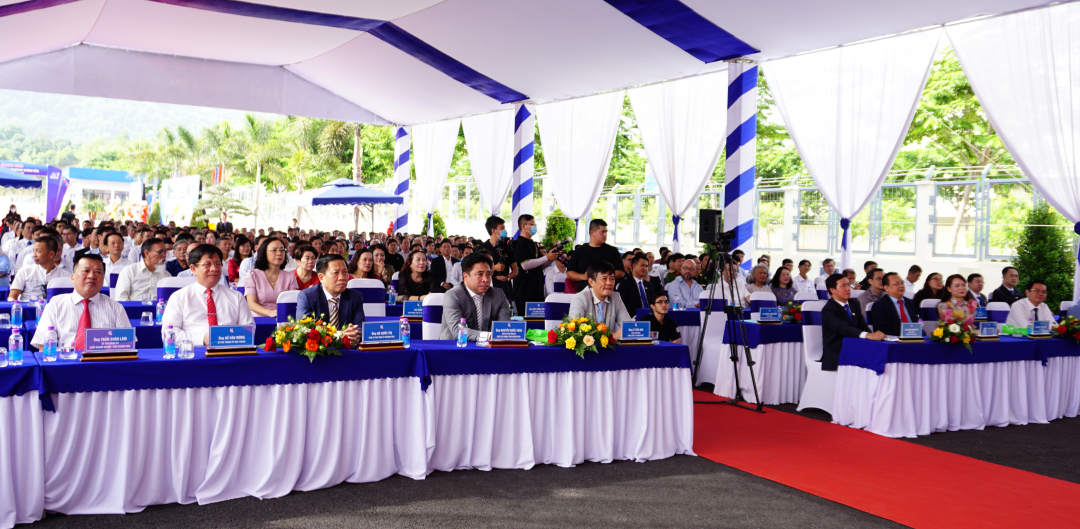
[(597, 250), (529, 264)]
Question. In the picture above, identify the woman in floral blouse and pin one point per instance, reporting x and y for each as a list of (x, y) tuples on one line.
[(957, 303)]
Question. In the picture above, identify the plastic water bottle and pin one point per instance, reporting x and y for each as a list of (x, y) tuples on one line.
[(406, 332), (168, 339), (160, 310), (462, 334), (393, 296), (37, 307), (49, 351), (675, 305), (15, 348), (16, 315)]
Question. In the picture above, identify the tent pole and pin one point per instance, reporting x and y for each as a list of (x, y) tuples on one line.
[(372, 218)]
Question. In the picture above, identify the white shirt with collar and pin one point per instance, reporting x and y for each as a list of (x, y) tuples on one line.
[(186, 311), (5, 239), (137, 282), (455, 277), (246, 266), (740, 291), (909, 289), (114, 268), (188, 273), (64, 311), (819, 282), (23, 258), (1022, 310), (67, 258), (34, 279), (803, 285), (15, 246)]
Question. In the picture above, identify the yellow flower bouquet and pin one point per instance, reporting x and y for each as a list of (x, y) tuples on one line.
[(310, 337), (580, 335)]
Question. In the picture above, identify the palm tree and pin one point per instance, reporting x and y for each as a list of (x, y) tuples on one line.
[(338, 137), (262, 150)]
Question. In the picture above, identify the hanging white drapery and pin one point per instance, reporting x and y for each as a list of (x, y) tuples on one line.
[(433, 150), (1025, 70), (848, 109), (682, 124), (489, 139), (578, 137)]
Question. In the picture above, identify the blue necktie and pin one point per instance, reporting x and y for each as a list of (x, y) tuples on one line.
[(600, 312), (641, 290), (847, 308)]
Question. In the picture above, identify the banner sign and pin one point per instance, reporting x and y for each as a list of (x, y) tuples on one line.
[(232, 335), (508, 330), (179, 196), (105, 340), (636, 330), (381, 331)]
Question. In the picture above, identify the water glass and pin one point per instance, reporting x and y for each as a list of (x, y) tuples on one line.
[(655, 335), (3, 356), (148, 299), (147, 318), (185, 349), (67, 352), (5, 321)]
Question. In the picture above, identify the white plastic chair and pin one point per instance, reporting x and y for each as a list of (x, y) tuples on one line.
[(286, 305), (366, 286), (806, 296), (432, 325), (57, 286), (1065, 306), (929, 324), (820, 388), (557, 304), (997, 311), (761, 296)]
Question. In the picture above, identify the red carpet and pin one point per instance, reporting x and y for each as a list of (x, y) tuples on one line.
[(903, 482)]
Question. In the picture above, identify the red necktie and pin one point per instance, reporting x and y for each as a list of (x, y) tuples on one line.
[(84, 323), (211, 308), (903, 313)]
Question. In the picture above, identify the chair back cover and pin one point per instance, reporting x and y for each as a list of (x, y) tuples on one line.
[(1065, 306), (393, 280), (997, 311), (433, 305), (812, 345), (113, 278), (928, 310), (760, 300), (286, 305), (806, 296), (823, 295), (168, 286), (556, 307), (57, 286), (374, 293)]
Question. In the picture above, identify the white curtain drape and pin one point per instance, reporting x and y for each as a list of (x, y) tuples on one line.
[(433, 150), (682, 125), (848, 109), (578, 137), (1025, 69), (489, 139)]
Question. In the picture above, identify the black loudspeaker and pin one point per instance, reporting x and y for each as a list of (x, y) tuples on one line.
[(710, 225)]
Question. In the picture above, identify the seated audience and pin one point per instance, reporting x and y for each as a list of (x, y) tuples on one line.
[(685, 288), (913, 275), (1007, 292), (975, 286), (730, 280), (839, 321), (114, 259), (138, 281), (782, 286), (957, 301), (306, 260), (268, 279), (803, 283), (85, 308), (665, 327), (634, 289), (758, 280), (473, 299), (873, 293), (413, 281), (892, 309), (828, 266), (243, 251), (207, 302), (31, 281), (385, 272), (599, 301), (331, 300), (180, 263), (1030, 308), (932, 289)]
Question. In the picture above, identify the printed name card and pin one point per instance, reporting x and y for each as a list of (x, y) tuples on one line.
[(104, 340), (988, 328), (911, 331), (980, 313), (381, 331), (1040, 327), (534, 310), (636, 330), (769, 314), (232, 335), (413, 309), (508, 330)]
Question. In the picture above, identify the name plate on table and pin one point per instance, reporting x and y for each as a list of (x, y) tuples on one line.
[(1040, 329), (507, 334), (534, 311), (911, 332), (414, 310), (380, 336), (980, 313), (769, 315), (110, 344), (231, 340), (636, 333), (988, 330)]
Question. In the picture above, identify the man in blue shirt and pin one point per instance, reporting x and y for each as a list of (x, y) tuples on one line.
[(684, 287)]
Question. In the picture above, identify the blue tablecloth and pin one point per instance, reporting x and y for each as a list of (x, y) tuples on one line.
[(136, 308), (394, 310), (28, 311), (762, 334), (445, 358), (149, 336), (874, 355), (682, 318), (151, 371), (17, 380)]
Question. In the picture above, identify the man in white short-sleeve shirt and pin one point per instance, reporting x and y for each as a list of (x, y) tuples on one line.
[(85, 308), (192, 310)]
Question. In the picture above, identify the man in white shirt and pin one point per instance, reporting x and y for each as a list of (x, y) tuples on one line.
[(192, 310), (138, 281), (724, 288), (85, 308), (71, 245), (800, 281), (913, 275), (829, 266), (114, 262), (1031, 308), (32, 280), (10, 234), (26, 239)]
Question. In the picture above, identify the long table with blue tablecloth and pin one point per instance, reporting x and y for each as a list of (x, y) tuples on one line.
[(779, 367), (22, 456), (689, 322), (126, 435), (910, 389), (149, 336)]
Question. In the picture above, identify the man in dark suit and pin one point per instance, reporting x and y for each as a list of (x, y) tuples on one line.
[(975, 286), (474, 300), (1007, 292), (839, 321), (632, 287), (224, 226), (892, 309), (339, 306), (441, 266)]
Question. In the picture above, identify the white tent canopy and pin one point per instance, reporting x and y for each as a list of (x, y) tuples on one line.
[(415, 61)]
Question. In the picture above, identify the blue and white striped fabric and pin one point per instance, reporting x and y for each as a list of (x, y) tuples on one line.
[(823, 295), (113, 279), (286, 305), (402, 168), (373, 293), (432, 318), (556, 307), (522, 183), (741, 151), (52, 292), (757, 304)]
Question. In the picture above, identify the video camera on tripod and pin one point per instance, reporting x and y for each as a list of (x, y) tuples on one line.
[(710, 226)]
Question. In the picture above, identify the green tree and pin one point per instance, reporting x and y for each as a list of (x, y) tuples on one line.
[(1043, 252), (440, 224), (216, 200), (559, 228), (155, 214)]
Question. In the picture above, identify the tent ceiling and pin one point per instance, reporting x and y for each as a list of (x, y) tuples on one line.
[(404, 61)]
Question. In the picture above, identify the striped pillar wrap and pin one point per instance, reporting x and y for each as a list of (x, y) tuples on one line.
[(402, 168), (741, 150), (522, 184)]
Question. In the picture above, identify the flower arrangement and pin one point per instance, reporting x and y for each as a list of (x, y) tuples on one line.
[(954, 329), (580, 335), (309, 337), (1068, 328), (792, 312)]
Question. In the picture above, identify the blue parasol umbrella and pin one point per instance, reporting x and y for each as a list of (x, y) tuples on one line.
[(343, 192)]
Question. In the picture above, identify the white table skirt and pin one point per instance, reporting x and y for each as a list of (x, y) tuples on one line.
[(520, 420), (779, 369), (22, 481), (1062, 387), (908, 400), (689, 336), (120, 451)]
